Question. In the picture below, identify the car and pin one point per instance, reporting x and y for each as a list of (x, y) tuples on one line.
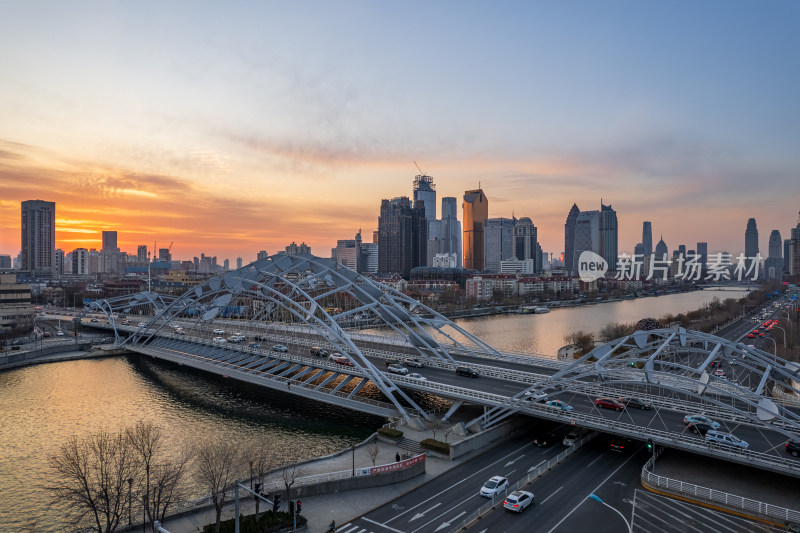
[(558, 404), (344, 361), (494, 486), (254, 345), (236, 337), (726, 439), (793, 448), (637, 403), (48, 334), (390, 362), (94, 320), (701, 419), (397, 369), (317, 351), (572, 437), (180, 332), (218, 340), (419, 377), (719, 373), (261, 337), (218, 331), (280, 348), (142, 324), (715, 363), (751, 336), (699, 428), (518, 500), (535, 396), (466, 371), (60, 333), (126, 322), (609, 403), (546, 440), (413, 361)]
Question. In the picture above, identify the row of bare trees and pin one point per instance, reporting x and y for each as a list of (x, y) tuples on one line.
[(105, 479)]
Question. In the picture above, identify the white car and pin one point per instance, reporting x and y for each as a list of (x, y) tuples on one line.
[(219, 331), (218, 340), (572, 437), (397, 369), (494, 486), (414, 375), (60, 333), (518, 500), (535, 396)]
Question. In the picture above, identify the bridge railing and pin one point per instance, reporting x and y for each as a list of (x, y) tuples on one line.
[(732, 502)]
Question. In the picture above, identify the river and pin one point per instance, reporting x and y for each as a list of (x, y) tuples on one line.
[(43, 405)]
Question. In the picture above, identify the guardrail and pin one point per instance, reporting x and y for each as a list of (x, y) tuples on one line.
[(531, 476), (731, 502)]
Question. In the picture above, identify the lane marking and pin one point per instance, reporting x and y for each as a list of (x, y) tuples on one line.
[(456, 517), (382, 525), (420, 515), (551, 495)]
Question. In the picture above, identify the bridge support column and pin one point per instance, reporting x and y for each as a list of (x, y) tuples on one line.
[(415, 423), (452, 410)]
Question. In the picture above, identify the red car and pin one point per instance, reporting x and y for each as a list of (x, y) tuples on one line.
[(751, 336), (608, 403), (344, 361)]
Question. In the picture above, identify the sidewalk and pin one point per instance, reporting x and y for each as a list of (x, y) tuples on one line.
[(341, 506)]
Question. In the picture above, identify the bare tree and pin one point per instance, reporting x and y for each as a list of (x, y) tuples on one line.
[(262, 460), (290, 474), (92, 479), (217, 465), (373, 450), (437, 424)]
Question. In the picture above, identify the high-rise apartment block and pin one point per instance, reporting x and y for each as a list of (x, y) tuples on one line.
[(526, 244), (596, 231), (498, 244), (38, 236), (402, 237), (294, 249), (141, 253), (773, 265), (476, 211)]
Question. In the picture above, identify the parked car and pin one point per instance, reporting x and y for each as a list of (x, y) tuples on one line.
[(793, 447), (518, 500), (397, 369), (701, 419), (317, 351), (413, 361), (414, 375), (494, 486), (726, 439), (637, 403), (280, 348), (466, 371), (558, 404), (609, 403)]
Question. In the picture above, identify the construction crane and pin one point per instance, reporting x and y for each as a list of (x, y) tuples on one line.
[(420, 170)]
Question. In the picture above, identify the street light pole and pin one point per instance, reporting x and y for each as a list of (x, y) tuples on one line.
[(353, 449), (596, 498)]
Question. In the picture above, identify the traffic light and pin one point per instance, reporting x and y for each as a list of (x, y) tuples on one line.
[(298, 506), (649, 444), (291, 507), (276, 503), (258, 491)]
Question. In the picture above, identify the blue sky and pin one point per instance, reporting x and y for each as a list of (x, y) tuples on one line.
[(234, 127)]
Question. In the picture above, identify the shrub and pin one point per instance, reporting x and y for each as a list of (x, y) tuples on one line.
[(436, 446), (268, 522), (390, 433)]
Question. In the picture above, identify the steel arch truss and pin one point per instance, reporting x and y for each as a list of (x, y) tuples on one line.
[(684, 362), (304, 294)]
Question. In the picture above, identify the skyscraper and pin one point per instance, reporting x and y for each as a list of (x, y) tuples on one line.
[(569, 240), (647, 237), (498, 242), (661, 251), (110, 241), (751, 239), (402, 236), (450, 229), (773, 266), (425, 191), (141, 253), (476, 211), (702, 257), (38, 236), (609, 235), (526, 242)]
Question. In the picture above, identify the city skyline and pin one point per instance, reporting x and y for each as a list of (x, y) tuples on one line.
[(269, 126)]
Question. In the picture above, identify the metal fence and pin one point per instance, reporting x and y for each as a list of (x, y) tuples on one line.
[(537, 471), (723, 499)]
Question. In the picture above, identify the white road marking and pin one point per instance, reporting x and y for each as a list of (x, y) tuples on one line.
[(551, 495), (512, 461), (456, 517), (382, 525), (420, 515)]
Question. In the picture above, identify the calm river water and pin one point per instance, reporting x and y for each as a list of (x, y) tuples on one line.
[(43, 405)]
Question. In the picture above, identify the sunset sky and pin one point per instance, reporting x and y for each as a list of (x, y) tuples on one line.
[(233, 127)]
